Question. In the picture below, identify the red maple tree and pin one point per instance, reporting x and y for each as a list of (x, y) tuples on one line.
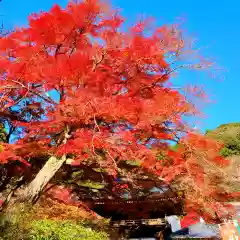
[(79, 88)]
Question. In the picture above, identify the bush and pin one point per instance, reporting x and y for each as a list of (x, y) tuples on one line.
[(63, 230), (20, 225)]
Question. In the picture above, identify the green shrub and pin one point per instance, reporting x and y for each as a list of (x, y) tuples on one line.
[(22, 226), (63, 230), (227, 152), (229, 135)]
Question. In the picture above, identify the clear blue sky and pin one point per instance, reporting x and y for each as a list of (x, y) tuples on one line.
[(213, 22)]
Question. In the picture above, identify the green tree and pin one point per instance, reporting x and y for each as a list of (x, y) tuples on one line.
[(229, 135)]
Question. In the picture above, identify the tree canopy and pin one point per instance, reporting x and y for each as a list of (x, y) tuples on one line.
[(76, 88)]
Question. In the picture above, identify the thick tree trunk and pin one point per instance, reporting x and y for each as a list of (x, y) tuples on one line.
[(31, 193), (33, 190), (53, 164)]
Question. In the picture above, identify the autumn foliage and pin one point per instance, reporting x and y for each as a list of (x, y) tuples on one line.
[(74, 84)]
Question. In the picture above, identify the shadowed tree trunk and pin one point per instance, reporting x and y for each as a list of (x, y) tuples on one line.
[(53, 164), (34, 189)]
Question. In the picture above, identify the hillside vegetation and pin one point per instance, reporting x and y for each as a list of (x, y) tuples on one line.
[(229, 135)]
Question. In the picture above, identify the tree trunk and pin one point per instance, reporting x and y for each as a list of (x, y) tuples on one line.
[(33, 190), (53, 164)]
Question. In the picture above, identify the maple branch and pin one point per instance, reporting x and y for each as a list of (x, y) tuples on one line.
[(172, 131), (96, 63), (49, 100), (64, 135), (3, 95), (7, 114), (10, 132), (152, 85), (168, 72), (96, 123), (58, 49)]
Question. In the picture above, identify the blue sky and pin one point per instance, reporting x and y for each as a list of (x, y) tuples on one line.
[(214, 23)]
